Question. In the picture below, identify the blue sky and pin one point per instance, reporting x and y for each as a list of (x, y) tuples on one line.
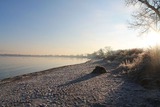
[(65, 26)]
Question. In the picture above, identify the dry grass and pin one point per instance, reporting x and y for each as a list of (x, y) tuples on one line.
[(154, 53), (145, 68), (131, 64), (125, 55), (142, 66)]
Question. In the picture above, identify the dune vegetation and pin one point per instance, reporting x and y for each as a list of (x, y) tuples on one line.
[(140, 65)]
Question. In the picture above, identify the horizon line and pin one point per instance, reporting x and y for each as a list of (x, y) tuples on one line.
[(50, 55)]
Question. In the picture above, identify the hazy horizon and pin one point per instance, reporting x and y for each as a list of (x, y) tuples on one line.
[(59, 27)]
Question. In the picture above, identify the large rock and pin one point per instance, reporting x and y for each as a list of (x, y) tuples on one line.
[(99, 70)]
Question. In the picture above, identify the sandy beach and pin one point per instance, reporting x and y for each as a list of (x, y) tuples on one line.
[(75, 86)]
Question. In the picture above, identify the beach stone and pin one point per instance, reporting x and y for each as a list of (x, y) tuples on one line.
[(42, 105), (99, 70)]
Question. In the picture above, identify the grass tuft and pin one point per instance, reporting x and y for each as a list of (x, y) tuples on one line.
[(145, 68)]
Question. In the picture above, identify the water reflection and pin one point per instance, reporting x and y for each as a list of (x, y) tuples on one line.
[(13, 66)]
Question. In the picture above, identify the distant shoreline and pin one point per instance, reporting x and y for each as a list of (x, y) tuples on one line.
[(24, 55)]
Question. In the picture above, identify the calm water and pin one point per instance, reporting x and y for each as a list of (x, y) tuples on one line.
[(13, 66)]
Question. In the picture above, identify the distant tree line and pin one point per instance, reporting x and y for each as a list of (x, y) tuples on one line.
[(101, 53)]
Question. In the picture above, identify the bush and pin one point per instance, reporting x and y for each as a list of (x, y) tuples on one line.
[(145, 69), (123, 55)]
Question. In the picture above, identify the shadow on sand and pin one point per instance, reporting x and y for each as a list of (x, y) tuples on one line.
[(83, 78), (130, 94)]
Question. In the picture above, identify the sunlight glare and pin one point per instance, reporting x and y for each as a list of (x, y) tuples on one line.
[(152, 39)]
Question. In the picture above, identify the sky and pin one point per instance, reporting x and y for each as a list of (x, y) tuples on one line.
[(67, 27)]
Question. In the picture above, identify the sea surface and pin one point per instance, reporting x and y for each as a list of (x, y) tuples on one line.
[(11, 66)]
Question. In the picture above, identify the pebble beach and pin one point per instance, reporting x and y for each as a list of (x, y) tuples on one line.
[(76, 86)]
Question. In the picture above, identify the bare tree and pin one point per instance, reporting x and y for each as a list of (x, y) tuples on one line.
[(147, 16)]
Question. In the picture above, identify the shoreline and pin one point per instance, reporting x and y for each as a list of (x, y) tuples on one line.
[(16, 66), (37, 73), (75, 85)]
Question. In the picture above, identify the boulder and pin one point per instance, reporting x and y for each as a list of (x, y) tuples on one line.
[(99, 70)]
